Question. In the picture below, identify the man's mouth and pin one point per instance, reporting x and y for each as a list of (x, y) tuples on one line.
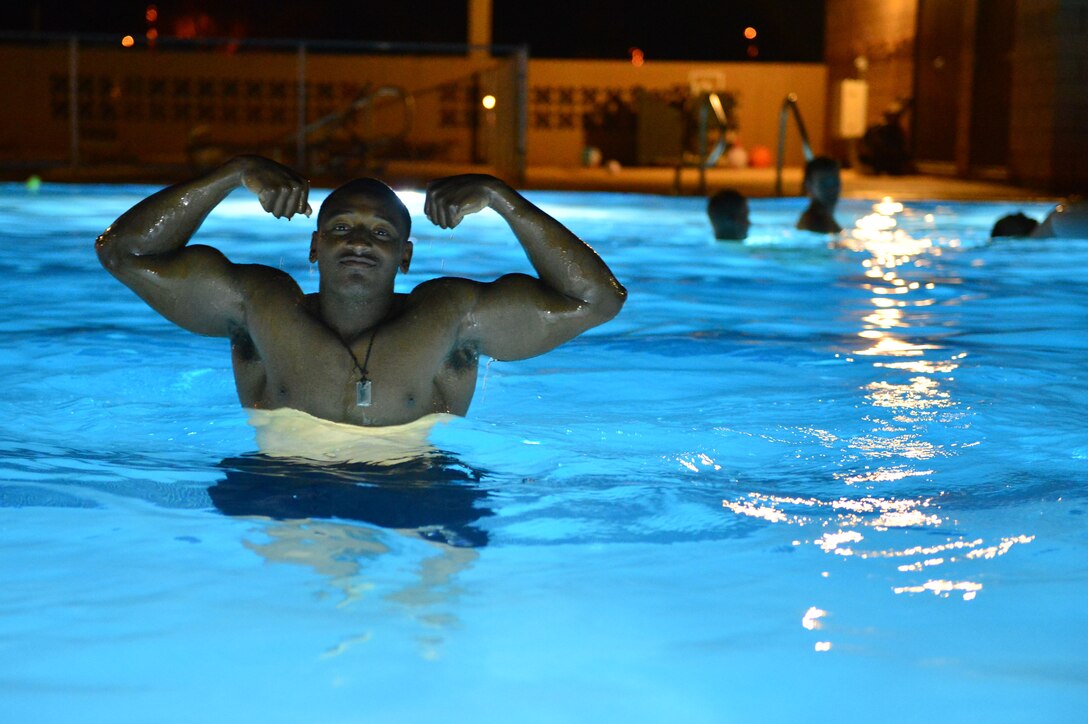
[(359, 260)]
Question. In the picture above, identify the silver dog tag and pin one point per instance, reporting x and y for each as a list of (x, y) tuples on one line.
[(362, 393)]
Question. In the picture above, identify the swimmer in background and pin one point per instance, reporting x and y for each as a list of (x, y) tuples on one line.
[(728, 214), (1065, 221), (822, 186), (356, 351)]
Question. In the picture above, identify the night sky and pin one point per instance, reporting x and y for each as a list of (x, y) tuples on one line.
[(711, 30)]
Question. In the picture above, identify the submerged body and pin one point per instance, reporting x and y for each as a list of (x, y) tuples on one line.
[(355, 351)]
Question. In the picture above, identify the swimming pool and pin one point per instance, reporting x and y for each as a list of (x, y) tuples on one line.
[(789, 482)]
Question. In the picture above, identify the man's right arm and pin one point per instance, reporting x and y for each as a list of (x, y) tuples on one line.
[(196, 287)]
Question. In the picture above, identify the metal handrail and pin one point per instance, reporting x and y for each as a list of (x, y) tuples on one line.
[(708, 103), (365, 102), (789, 104)]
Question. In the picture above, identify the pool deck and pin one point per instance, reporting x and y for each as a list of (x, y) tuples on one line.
[(753, 182), (759, 182)]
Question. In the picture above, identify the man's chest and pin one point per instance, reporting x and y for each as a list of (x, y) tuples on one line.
[(395, 373)]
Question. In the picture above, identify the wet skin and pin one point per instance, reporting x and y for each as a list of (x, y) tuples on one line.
[(290, 349)]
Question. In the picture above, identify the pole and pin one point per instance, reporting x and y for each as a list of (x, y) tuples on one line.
[(73, 99), (300, 139)]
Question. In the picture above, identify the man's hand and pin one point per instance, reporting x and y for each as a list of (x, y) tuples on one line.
[(282, 192), (451, 199)]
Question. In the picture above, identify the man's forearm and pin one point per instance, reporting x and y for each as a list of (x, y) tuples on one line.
[(166, 220)]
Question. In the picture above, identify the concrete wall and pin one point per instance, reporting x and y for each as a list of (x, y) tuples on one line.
[(562, 92), (880, 33), (1049, 136), (177, 106), (143, 106)]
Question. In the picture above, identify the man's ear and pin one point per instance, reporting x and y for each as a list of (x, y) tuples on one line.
[(313, 247), (406, 257)]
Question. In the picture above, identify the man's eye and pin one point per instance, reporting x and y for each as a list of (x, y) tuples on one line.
[(381, 232)]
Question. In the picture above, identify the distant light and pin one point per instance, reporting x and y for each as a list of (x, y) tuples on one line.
[(152, 34), (152, 13), (637, 57), (488, 102), (750, 33), (753, 51), (128, 41)]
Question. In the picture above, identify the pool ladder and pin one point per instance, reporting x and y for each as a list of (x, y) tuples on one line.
[(709, 108), (789, 104)]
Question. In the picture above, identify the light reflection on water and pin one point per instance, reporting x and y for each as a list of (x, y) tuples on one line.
[(779, 430), (910, 391)]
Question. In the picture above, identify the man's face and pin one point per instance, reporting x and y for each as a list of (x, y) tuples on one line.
[(824, 186), (359, 238)]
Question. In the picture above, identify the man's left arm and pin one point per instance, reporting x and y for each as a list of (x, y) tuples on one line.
[(519, 316)]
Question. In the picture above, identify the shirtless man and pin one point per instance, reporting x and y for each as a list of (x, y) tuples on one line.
[(355, 351)]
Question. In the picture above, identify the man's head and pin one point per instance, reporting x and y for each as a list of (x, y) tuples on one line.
[(822, 183), (728, 212), (1014, 225), (361, 226)]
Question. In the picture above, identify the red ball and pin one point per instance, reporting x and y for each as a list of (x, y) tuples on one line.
[(759, 157)]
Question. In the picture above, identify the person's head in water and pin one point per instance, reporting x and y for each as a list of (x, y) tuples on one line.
[(728, 212), (822, 186), (362, 226), (821, 182), (1014, 225)]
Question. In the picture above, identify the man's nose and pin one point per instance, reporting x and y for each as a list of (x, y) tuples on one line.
[(358, 239)]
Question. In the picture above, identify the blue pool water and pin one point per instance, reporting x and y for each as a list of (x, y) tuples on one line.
[(791, 481)]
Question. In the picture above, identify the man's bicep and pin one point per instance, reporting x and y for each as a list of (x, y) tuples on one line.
[(196, 288), (517, 316)]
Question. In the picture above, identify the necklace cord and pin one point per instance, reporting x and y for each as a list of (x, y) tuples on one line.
[(366, 360)]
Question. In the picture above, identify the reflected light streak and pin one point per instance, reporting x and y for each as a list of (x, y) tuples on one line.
[(888, 206), (900, 446), (890, 513), (833, 542), (883, 475), (885, 318), (1001, 548), (811, 619), (693, 462), (943, 588), (922, 393), (893, 347), (922, 366)]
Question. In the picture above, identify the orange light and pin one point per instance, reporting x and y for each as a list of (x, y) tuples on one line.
[(488, 102), (128, 41), (152, 34), (637, 57), (152, 13), (750, 33)]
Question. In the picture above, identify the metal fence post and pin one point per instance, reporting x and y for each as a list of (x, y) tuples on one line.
[(300, 140), (73, 98), (521, 143)]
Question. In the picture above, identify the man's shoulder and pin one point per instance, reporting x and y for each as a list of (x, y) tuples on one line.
[(455, 290), (452, 288), (260, 280)]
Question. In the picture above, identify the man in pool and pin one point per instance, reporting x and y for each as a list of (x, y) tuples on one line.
[(356, 351), (728, 214), (822, 186), (1067, 221)]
